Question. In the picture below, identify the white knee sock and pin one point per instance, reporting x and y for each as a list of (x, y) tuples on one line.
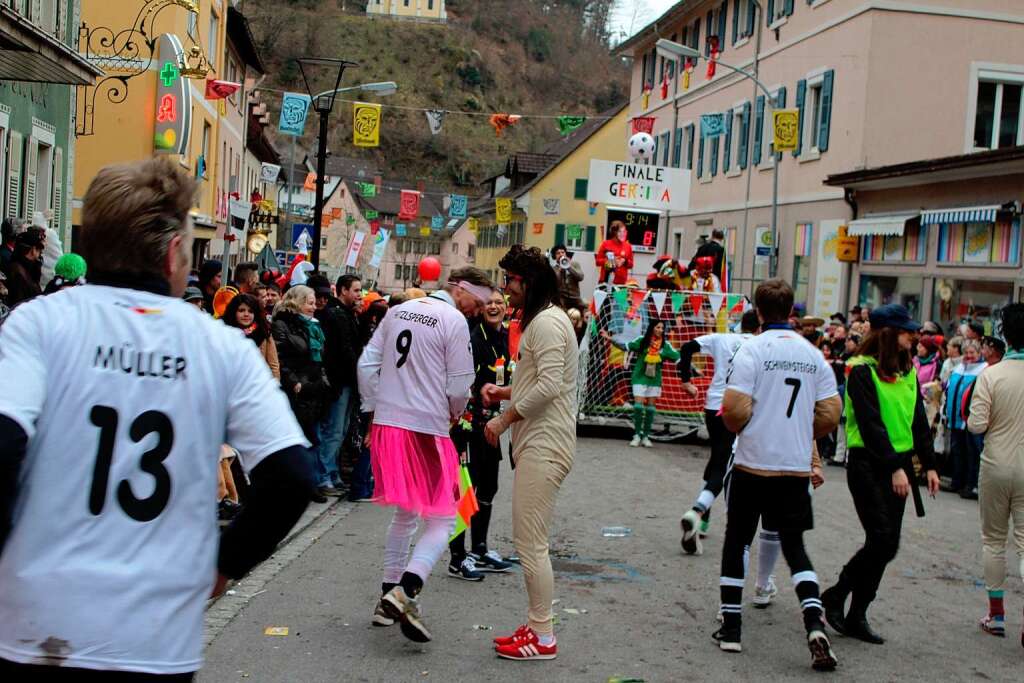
[(768, 548), (396, 544), (431, 546)]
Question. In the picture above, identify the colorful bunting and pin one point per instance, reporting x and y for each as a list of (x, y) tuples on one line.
[(399, 229), (409, 205), (643, 124), (473, 225), (435, 119), (659, 300), (218, 90), (735, 303), (366, 124), (425, 231), (368, 190), (503, 210), (716, 302), (567, 124), (574, 231), (501, 121), (599, 296), (458, 205), (696, 302), (621, 297), (677, 301), (370, 213), (538, 228), (436, 222)]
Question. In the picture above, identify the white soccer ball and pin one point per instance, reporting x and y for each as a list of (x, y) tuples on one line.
[(641, 146)]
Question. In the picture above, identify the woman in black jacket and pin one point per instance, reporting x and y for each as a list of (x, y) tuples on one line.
[(300, 345)]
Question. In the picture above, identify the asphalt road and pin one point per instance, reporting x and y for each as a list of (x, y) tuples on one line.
[(631, 607)]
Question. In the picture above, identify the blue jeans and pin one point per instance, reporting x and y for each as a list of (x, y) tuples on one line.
[(331, 432), (362, 477)]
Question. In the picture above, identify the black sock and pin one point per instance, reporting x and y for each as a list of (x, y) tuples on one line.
[(411, 584), (386, 587)]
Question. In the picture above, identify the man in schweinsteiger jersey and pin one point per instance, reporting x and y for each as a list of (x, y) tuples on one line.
[(780, 396), (124, 394)]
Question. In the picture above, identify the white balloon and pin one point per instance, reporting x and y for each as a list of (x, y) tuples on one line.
[(641, 146)]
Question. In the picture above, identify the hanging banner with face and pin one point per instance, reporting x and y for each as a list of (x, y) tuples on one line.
[(503, 210), (294, 110), (366, 124), (786, 124), (269, 172)]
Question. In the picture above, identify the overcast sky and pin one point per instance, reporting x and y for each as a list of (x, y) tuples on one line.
[(633, 15)]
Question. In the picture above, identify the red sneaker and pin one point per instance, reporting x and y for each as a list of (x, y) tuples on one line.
[(527, 646), (508, 640)]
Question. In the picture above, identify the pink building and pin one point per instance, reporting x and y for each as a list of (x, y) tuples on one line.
[(878, 83)]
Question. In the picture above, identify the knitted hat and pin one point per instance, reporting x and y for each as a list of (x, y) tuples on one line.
[(70, 267)]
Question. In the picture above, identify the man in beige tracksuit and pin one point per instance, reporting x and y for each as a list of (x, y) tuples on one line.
[(542, 414), (995, 411)]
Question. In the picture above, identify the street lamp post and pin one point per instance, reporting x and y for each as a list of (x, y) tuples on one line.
[(323, 103), (677, 50)]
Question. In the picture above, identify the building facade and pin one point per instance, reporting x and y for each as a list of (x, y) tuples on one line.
[(427, 10), (871, 89), (39, 70)]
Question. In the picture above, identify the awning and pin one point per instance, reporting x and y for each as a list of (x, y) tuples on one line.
[(967, 214), (892, 225)]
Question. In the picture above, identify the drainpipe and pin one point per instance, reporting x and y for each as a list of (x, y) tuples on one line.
[(850, 197), (758, 16)]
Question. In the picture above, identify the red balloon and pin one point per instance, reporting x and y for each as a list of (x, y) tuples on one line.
[(430, 269)]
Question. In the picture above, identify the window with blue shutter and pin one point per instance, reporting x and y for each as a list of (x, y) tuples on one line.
[(723, 11), (690, 129), (751, 18), (714, 156), (677, 149), (769, 16), (711, 32), (580, 191), (559, 233), (758, 128), (727, 151), (654, 156), (700, 158), (744, 136), (591, 242), (780, 103), (801, 97), (666, 138), (787, 8), (825, 124), (735, 21), (696, 35)]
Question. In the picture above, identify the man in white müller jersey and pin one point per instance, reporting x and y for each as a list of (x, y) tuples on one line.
[(120, 395)]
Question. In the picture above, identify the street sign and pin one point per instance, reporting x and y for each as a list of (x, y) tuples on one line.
[(639, 186), (173, 111), (762, 244)]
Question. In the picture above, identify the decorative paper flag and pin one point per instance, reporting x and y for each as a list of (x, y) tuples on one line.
[(711, 125), (370, 213), (425, 231), (325, 220), (409, 205), (503, 210), (643, 124), (218, 90), (574, 231), (473, 225), (294, 109), (368, 190), (621, 298), (350, 220), (501, 121), (637, 300), (677, 301), (458, 205), (399, 229), (716, 302), (467, 506), (567, 124), (366, 124), (267, 206), (713, 60), (599, 296), (374, 227), (336, 212), (696, 302), (435, 119), (380, 245), (645, 99), (664, 86), (659, 300), (552, 206), (538, 228), (436, 222), (269, 172), (735, 303), (724, 278), (592, 208), (310, 184), (355, 245), (687, 70)]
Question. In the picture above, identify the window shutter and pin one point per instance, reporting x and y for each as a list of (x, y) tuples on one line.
[(690, 129), (677, 149), (722, 19), (714, 156), (710, 32), (686, 35), (751, 18), (696, 34), (758, 128), (591, 243), (559, 233), (744, 136), (801, 97), (58, 190), (735, 21), (31, 162), (666, 144), (770, 14), (700, 158), (581, 188), (788, 8), (14, 156), (654, 157), (643, 72), (727, 152), (825, 125)]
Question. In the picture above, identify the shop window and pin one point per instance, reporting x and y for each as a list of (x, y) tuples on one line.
[(211, 55), (877, 290), (999, 114), (910, 247), (956, 301), (996, 243), (802, 261)]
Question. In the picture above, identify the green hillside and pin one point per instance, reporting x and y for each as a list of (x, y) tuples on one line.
[(492, 55)]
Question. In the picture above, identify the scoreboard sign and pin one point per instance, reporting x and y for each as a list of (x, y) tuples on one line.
[(641, 225)]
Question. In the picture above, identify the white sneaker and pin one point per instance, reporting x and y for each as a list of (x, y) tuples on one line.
[(764, 596), (635, 442), (646, 443)]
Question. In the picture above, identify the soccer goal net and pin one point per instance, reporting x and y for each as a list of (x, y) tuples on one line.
[(624, 314)]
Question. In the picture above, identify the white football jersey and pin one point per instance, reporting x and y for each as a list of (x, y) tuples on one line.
[(722, 347), (420, 347), (126, 397), (785, 376)]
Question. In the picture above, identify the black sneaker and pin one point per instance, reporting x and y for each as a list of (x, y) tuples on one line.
[(728, 639), (465, 570), (317, 497), (490, 562), (331, 491), (228, 509)]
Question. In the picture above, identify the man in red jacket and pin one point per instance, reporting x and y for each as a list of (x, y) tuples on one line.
[(615, 255)]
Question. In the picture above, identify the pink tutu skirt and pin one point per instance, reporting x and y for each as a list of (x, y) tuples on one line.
[(417, 472)]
